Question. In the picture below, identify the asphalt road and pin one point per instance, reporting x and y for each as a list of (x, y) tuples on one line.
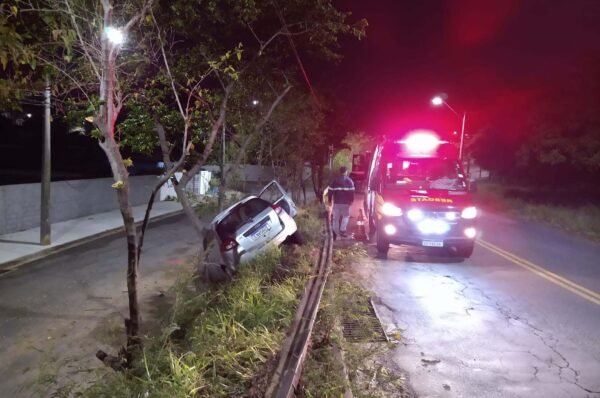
[(520, 318), (55, 313)]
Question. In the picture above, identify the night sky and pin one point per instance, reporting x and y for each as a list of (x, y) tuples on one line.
[(504, 62), (498, 60)]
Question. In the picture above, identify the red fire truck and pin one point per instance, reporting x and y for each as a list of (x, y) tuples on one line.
[(418, 194)]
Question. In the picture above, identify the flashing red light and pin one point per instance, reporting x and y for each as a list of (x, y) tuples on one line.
[(421, 142)]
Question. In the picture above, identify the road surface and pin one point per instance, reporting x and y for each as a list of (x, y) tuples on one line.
[(520, 318), (55, 313)]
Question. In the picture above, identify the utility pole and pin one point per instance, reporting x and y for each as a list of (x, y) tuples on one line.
[(462, 136), (45, 233), (222, 185)]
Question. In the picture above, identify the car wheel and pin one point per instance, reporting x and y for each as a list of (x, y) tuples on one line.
[(294, 239), (465, 251), (383, 245)]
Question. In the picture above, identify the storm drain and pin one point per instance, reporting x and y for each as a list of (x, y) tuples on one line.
[(362, 324)]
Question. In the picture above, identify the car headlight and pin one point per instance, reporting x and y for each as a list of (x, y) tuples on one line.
[(414, 215), (469, 213), (391, 210)]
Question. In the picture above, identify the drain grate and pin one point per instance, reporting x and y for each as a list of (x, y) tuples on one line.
[(362, 325)]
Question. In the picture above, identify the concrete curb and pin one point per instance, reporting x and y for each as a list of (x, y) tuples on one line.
[(13, 265)]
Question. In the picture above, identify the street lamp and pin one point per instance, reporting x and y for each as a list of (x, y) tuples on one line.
[(255, 102), (437, 101), (114, 35)]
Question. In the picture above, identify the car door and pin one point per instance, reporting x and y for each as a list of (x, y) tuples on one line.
[(259, 224), (373, 186), (274, 193)]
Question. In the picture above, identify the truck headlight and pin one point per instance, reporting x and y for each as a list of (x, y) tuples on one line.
[(391, 210), (414, 215), (469, 213)]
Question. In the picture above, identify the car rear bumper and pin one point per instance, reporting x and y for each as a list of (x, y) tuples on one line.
[(233, 258)]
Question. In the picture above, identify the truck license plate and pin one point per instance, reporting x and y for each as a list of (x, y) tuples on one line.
[(433, 243)]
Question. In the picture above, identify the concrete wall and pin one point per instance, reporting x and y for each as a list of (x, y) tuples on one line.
[(246, 172), (20, 204)]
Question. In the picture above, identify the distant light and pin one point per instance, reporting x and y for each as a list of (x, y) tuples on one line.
[(114, 35), (437, 101), (255, 102), (422, 142), (29, 115)]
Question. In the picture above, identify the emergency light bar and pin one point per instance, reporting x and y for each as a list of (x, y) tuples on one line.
[(421, 142)]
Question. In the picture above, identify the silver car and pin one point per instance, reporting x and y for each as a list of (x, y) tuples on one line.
[(253, 224)]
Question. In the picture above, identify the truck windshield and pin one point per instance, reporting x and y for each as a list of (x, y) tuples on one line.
[(424, 173)]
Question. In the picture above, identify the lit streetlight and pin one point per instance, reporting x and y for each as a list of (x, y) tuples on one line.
[(114, 35), (255, 102), (437, 101)]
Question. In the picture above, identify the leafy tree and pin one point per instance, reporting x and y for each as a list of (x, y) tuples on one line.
[(72, 40), (167, 85), (250, 60)]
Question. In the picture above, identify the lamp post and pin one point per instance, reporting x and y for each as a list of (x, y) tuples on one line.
[(115, 35), (437, 101)]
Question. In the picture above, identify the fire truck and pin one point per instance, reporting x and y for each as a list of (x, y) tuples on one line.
[(418, 194)]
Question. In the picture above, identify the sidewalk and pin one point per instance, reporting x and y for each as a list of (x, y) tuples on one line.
[(22, 247)]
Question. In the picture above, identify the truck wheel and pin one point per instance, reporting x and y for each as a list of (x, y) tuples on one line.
[(465, 251), (372, 229), (383, 245)]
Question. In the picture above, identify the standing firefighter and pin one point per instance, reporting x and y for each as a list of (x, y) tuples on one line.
[(341, 193)]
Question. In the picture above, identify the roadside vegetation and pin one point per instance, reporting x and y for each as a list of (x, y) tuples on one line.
[(334, 364), (218, 340), (573, 209)]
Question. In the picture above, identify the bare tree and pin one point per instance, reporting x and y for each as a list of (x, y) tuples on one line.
[(84, 59)]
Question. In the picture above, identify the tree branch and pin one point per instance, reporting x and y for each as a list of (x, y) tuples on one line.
[(211, 139), (81, 41)]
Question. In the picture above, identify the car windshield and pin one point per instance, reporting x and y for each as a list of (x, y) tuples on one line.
[(424, 173), (239, 216)]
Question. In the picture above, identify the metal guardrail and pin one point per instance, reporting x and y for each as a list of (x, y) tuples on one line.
[(287, 374)]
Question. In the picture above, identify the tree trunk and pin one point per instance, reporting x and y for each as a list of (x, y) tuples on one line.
[(121, 178), (317, 179), (188, 209)]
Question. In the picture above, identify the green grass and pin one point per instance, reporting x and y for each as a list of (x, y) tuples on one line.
[(310, 223), (217, 342), (574, 214), (220, 341)]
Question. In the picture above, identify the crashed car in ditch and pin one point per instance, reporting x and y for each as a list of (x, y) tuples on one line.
[(254, 224)]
